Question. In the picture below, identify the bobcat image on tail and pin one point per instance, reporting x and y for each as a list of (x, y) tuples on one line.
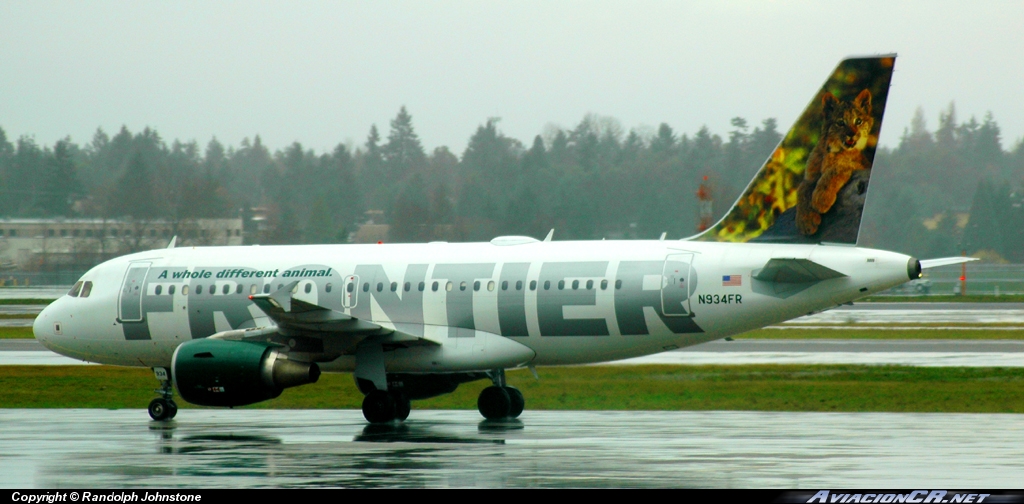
[(813, 186), (845, 128)]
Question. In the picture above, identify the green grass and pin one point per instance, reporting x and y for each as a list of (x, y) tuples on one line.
[(16, 333), (754, 387), (25, 301), (946, 298), (883, 334)]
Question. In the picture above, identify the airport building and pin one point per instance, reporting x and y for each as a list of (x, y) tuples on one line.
[(42, 245)]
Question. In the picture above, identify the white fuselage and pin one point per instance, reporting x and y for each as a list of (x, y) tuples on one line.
[(568, 302)]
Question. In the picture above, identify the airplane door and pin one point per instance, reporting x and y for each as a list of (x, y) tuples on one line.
[(130, 303), (350, 296), (677, 284)]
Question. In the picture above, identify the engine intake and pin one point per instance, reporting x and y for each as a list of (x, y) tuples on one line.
[(213, 372)]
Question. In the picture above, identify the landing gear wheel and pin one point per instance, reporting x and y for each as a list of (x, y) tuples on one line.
[(402, 406), (517, 402), (494, 403), (378, 407), (162, 409), (172, 409)]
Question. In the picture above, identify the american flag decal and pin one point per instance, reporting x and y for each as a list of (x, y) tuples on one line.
[(732, 280)]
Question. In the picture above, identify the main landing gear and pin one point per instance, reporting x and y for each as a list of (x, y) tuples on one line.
[(499, 400), (163, 407), (382, 407)]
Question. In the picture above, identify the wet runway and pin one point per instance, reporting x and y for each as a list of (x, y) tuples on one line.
[(336, 448)]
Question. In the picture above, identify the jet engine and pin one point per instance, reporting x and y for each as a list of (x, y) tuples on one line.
[(213, 372)]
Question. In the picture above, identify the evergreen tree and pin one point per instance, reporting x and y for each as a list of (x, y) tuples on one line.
[(403, 154), (62, 186), (135, 194)]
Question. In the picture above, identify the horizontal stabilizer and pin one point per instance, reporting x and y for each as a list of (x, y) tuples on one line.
[(945, 261), (795, 271)]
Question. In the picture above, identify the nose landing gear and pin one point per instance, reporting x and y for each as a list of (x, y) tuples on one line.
[(163, 407)]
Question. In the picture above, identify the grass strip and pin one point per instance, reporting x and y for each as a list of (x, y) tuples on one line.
[(655, 387), (25, 301), (16, 333), (883, 334), (946, 298)]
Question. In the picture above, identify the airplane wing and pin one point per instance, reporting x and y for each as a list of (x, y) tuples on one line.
[(312, 329), (945, 261), (295, 314)]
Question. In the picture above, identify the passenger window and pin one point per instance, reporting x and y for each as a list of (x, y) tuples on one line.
[(462, 286), (519, 285), (170, 290), (75, 289), (350, 287), (434, 287), (199, 289), (184, 290), (394, 286), (533, 285), (366, 287), (266, 288), (158, 290), (238, 289), (504, 285), (86, 289), (604, 284), (225, 289), (448, 286), (561, 284), (590, 284), (421, 286), (407, 286), (327, 288), (380, 286), (490, 285), (295, 288), (476, 285), (618, 284), (309, 288), (253, 289), (575, 284), (547, 284)]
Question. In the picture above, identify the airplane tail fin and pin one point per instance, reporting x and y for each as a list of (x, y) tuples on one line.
[(813, 186)]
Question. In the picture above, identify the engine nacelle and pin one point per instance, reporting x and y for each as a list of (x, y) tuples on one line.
[(214, 372)]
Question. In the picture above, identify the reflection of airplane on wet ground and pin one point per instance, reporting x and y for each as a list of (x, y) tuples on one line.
[(237, 325)]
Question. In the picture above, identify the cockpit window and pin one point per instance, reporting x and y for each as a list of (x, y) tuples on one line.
[(75, 289), (86, 289)]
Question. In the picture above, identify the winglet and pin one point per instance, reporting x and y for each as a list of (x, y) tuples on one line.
[(283, 297), (174, 240), (550, 234)]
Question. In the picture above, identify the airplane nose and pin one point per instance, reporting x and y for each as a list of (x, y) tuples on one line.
[(45, 327)]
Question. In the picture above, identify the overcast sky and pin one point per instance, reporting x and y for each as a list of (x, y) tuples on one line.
[(323, 72)]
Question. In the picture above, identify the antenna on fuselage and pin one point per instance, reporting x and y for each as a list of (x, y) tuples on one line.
[(174, 239), (550, 234), (663, 235)]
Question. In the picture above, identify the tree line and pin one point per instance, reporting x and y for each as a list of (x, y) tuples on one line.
[(935, 193)]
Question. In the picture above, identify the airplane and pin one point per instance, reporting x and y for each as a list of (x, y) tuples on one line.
[(232, 326)]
